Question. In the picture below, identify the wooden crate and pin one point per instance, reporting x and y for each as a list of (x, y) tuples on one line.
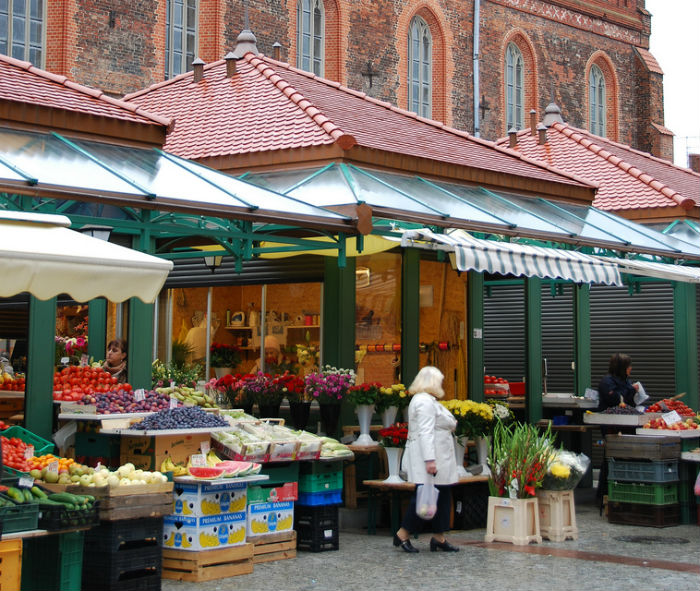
[(207, 565), (276, 546), (136, 506)]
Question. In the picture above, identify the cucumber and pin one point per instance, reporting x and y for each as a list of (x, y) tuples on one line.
[(16, 495), (28, 496), (66, 497), (38, 493)]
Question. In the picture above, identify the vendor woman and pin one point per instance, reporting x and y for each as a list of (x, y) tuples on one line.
[(115, 363), (616, 388)]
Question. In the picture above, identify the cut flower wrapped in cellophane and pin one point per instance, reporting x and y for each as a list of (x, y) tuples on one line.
[(565, 471)]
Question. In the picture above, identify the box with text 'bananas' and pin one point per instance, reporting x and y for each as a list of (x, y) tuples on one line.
[(202, 499), (269, 518), (183, 532)]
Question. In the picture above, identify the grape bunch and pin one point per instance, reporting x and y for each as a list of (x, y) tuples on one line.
[(622, 410), (183, 417)]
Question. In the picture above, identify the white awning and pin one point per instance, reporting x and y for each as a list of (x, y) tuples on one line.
[(39, 254), (508, 258), (658, 270)]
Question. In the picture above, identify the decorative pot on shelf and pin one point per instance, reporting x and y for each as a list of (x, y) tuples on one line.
[(330, 414), (393, 460), (460, 449), (220, 372), (299, 412), (364, 416), (389, 416), (482, 454)]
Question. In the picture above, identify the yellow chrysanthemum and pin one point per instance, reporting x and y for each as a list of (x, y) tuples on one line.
[(560, 470)]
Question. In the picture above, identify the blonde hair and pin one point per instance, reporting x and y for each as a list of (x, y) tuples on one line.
[(429, 379)]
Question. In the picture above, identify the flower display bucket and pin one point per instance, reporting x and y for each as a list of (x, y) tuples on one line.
[(515, 521), (330, 414), (482, 454), (269, 410), (557, 512), (299, 412), (393, 460), (220, 372), (364, 416), (460, 449), (389, 416)]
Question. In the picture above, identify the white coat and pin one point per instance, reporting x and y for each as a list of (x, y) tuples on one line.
[(430, 428)]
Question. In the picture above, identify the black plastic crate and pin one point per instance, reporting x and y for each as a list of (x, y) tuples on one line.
[(109, 568), (53, 517), (470, 506), (149, 582), (644, 515), (111, 536), (317, 528)]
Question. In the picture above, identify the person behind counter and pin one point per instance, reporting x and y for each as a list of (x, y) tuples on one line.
[(429, 451), (115, 363), (616, 388)]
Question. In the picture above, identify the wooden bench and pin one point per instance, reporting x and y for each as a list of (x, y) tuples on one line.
[(379, 488)]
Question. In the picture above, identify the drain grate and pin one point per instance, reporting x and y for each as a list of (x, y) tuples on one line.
[(651, 540)]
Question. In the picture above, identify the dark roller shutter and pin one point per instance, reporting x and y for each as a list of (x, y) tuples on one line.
[(640, 325), (504, 331), (558, 336)]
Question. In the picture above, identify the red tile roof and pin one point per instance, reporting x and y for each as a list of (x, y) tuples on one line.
[(269, 105), (21, 82), (649, 60), (627, 178)]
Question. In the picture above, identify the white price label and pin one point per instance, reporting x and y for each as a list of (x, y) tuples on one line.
[(671, 418), (173, 403), (28, 452), (205, 447), (198, 460), (139, 395), (25, 482), (172, 384), (65, 360), (52, 467)]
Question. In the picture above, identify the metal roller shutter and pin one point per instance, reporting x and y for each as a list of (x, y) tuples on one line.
[(558, 337)]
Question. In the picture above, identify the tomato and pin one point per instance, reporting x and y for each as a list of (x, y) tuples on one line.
[(113, 380)]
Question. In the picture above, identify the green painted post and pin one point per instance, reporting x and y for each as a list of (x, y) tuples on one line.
[(533, 352), (97, 328), (38, 397), (685, 327), (140, 343), (410, 313), (475, 336), (582, 338)]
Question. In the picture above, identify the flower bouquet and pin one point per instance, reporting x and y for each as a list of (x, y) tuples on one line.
[(294, 388), (223, 355), (394, 395), (329, 385), (232, 388), (501, 411), (565, 470), (519, 459), (394, 436), (474, 419), (72, 347), (265, 389), (366, 393)]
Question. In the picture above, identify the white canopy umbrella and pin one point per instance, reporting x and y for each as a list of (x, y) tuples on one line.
[(39, 254)]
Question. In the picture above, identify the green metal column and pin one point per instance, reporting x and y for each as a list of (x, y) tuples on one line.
[(475, 336), (140, 343), (38, 397), (582, 338), (97, 328), (685, 329), (410, 314), (339, 313), (533, 348)]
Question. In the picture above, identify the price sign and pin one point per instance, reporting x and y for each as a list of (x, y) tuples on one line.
[(28, 452), (52, 467), (173, 403), (198, 460), (25, 482), (204, 446), (65, 360), (671, 418), (139, 395)]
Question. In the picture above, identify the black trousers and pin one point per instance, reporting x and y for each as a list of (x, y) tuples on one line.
[(440, 522)]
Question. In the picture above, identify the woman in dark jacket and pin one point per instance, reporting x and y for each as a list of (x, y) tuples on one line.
[(616, 387)]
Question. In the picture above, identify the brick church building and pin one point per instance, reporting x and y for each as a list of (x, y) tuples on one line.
[(478, 65)]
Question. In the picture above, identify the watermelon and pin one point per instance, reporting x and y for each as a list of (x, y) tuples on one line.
[(233, 468), (208, 473)]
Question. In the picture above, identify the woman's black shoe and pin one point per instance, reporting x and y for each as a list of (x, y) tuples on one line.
[(406, 545), (444, 546)]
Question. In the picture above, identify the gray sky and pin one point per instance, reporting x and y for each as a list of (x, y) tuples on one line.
[(675, 43)]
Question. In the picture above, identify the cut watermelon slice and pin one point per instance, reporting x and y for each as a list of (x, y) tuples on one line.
[(231, 468), (205, 473)]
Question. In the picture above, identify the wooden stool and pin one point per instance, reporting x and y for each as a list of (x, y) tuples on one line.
[(515, 521), (557, 515)]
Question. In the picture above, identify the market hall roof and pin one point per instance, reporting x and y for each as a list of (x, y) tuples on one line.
[(268, 113), (35, 97), (631, 183)]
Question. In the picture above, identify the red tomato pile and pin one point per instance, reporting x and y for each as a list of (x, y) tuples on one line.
[(71, 383), (494, 386), (682, 409), (4, 425), (16, 384), (13, 453)]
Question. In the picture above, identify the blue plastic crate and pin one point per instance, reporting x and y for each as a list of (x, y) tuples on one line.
[(314, 499)]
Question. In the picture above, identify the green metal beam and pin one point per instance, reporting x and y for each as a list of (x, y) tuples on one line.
[(97, 328), (38, 396), (582, 338), (140, 343), (339, 313), (410, 313), (475, 336), (533, 348), (685, 328)]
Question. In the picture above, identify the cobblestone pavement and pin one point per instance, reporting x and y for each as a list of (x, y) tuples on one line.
[(598, 560)]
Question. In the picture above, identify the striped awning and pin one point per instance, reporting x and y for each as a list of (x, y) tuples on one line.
[(508, 258), (658, 270)]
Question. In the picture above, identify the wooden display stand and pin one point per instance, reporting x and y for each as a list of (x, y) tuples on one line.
[(557, 512), (515, 521), (277, 546), (207, 565)]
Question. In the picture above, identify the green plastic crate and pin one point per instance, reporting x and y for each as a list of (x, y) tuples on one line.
[(281, 474), (320, 467), (321, 482), (19, 517), (646, 494), (61, 560), (41, 446)]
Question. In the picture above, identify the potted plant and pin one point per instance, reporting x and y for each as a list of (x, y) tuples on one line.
[(223, 358), (364, 397), (393, 440), (474, 421), (299, 401), (267, 391)]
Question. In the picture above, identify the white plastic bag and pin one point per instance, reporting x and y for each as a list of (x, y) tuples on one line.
[(426, 499), (640, 396)]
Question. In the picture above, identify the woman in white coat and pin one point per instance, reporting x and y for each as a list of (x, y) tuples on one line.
[(429, 453)]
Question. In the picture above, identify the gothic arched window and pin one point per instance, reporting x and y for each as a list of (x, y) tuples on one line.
[(310, 37), (420, 67)]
